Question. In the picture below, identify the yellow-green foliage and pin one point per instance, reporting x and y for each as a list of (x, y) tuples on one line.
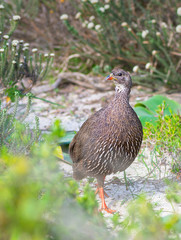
[(38, 202), (35, 196), (165, 136), (167, 131), (144, 222)]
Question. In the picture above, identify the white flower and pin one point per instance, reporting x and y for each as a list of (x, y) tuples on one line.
[(15, 43), (144, 33), (163, 25), (84, 0), (102, 9), (77, 16), (46, 55), (25, 48), (107, 6), (154, 52), (153, 21), (158, 34), (0, 33), (52, 54), (179, 11), (64, 17), (107, 1), (94, 1), (129, 29), (1, 6), (97, 27), (84, 24), (135, 68), (21, 41), (26, 45), (178, 28), (1, 49), (34, 50), (148, 66), (16, 17), (124, 24), (90, 25), (13, 62), (91, 18), (6, 37), (7, 44)]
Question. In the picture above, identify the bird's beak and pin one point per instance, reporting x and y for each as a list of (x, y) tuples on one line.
[(110, 77)]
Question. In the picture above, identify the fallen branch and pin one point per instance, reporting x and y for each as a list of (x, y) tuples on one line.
[(77, 78)]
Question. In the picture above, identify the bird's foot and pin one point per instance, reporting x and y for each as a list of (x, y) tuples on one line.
[(107, 210), (104, 206)]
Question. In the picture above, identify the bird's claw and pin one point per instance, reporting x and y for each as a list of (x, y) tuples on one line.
[(108, 210)]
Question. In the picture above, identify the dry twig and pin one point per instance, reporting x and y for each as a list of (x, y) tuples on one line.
[(77, 78)]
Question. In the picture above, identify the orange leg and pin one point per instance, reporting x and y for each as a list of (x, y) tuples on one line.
[(104, 206), (97, 191)]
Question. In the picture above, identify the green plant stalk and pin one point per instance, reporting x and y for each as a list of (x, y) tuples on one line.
[(12, 119), (69, 27), (2, 122), (13, 27), (48, 62), (40, 64), (31, 63), (28, 106), (19, 55), (2, 20), (37, 128), (47, 101), (106, 28), (36, 61), (168, 57), (1, 65), (10, 75)]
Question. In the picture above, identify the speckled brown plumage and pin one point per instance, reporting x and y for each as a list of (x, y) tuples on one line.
[(110, 139)]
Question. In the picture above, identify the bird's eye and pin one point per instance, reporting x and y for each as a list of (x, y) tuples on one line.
[(120, 74)]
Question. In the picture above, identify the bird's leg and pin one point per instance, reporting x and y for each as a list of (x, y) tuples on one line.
[(97, 190), (104, 207)]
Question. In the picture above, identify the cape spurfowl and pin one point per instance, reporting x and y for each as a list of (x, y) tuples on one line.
[(110, 139)]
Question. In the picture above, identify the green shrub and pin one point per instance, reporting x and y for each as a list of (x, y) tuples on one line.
[(167, 131), (38, 202), (20, 68), (136, 34), (165, 135), (14, 133), (143, 222)]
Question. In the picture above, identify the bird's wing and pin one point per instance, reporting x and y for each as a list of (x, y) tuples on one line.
[(82, 140)]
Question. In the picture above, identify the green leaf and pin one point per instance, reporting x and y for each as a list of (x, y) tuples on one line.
[(145, 115), (153, 103), (67, 138), (67, 158), (147, 110)]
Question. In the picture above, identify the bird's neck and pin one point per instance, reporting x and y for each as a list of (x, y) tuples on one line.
[(122, 94)]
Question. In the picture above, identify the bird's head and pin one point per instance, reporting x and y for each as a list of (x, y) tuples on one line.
[(122, 79)]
